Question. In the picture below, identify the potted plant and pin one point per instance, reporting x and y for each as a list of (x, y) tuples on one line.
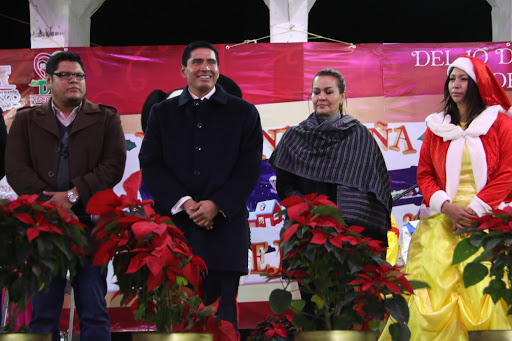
[(38, 242), (157, 272), (276, 327), (487, 252), (350, 285)]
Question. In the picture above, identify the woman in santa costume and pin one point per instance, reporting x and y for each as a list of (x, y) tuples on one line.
[(464, 171)]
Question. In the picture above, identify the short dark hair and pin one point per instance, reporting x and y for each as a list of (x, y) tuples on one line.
[(196, 45), (156, 96), (53, 63), (229, 85)]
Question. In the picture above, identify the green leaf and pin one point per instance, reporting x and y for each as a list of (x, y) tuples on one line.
[(326, 211), (64, 248), (181, 280), (206, 312), (354, 264), (280, 300), (319, 301), (497, 289), (194, 301), (463, 251), (477, 238), (419, 285), (343, 322), (399, 332), (310, 252), (493, 242), (297, 305), (398, 308), (304, 322), (483, 256), (474, 273)]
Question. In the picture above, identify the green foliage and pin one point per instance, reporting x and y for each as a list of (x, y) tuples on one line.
[(276, 327), (157, 272), (474, 273), (419, 285), (280, 300), (463, 251), (350, 285), (38, 242), (488, 253)]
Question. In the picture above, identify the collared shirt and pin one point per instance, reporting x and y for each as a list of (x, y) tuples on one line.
[(207, 96), (66, 121)]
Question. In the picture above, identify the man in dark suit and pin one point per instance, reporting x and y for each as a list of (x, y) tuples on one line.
[(65, 151), (200, 160)]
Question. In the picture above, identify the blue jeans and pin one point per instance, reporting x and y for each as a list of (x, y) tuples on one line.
[(90, 288)]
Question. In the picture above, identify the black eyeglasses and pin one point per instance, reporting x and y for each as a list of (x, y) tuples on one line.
[(68, 75)]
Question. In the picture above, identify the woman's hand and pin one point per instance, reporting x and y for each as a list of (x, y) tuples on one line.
[(461, 217)]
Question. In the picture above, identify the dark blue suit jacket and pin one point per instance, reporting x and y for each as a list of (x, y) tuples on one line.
[(209, 151)]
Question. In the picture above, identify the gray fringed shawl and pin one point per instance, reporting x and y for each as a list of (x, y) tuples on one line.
[(344, 153)]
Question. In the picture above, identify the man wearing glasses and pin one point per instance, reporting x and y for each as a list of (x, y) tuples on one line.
[(65, 151)]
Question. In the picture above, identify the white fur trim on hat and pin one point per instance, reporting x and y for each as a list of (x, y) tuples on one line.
[(465, 65)]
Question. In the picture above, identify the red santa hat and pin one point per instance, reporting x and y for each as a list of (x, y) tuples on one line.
[(490, 89)]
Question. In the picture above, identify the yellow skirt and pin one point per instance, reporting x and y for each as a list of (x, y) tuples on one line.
[(447, 310)]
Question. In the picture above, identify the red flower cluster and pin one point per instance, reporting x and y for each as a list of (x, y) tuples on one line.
[(349, 281), (499, 220), (375, 278), (276, 327), (323, 228), (155, 268), (152, 240), (38, 242)]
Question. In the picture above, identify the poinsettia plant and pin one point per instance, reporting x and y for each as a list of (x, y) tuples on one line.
[(157, 272), (276, 327), (487, 252), (347, 283), (38, 242)]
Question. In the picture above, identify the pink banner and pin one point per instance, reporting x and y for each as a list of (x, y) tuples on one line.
[(267, 73)]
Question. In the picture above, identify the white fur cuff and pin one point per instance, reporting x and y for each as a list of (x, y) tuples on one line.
[(479, 206), (437, 200)]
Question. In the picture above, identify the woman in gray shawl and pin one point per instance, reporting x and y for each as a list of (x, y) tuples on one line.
[(334, 154)]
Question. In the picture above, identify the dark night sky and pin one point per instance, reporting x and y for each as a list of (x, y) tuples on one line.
[(166, 22)]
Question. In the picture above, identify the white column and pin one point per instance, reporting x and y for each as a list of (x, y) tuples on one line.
[(289, 20), (501, 20), (61, 23)]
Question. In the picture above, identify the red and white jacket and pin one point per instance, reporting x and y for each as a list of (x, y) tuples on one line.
[(489, 142)]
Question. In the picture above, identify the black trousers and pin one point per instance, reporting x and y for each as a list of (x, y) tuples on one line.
[(223, 284)]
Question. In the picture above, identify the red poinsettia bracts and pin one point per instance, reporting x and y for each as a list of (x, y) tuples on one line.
[(39, 243), (375, 278), (274, 327), (107, 201), (156, 270), (40, 224), (497, 220), (348, 280)]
